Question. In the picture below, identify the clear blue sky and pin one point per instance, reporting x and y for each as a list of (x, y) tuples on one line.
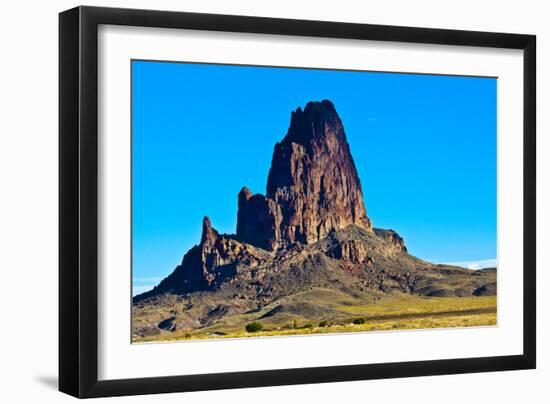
[(424, 147)]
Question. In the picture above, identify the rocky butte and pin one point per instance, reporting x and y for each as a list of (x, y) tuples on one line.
[(310, 230), (312, 187)]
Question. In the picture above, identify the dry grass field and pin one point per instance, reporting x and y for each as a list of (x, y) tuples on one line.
[(343, 313)]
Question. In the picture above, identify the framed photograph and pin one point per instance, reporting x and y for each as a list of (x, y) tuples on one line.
[(251, 201)]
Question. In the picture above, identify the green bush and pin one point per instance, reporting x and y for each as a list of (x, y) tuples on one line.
[(359, 321), (308, 325), (254, 327), (323, 323)]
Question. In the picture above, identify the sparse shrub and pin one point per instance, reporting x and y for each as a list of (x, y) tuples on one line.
[(359, 321), (323, 323), (253, 327), (308, 325), (294, 324)]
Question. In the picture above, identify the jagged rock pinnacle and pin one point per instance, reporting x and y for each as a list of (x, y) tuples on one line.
[(209, 235), (312, 186), (245, 194)]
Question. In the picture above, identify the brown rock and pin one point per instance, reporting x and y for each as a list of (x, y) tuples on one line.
[(208, 264), (258, 220), (312, 187), (392, 238), (350, 250)]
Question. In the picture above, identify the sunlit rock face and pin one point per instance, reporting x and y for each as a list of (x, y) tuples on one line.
[(312, 187)]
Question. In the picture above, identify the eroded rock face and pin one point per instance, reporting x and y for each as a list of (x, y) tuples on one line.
[(259, 220), (349, 250), (312, 187), (392, 238), (208, 264)]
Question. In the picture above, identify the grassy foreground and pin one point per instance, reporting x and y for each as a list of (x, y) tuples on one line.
[(398, 311)]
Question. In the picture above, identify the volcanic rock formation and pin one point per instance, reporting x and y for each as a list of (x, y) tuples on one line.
[(312, 187), (310, 230)]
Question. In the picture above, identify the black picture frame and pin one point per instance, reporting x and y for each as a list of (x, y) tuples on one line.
[(78, 201)]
